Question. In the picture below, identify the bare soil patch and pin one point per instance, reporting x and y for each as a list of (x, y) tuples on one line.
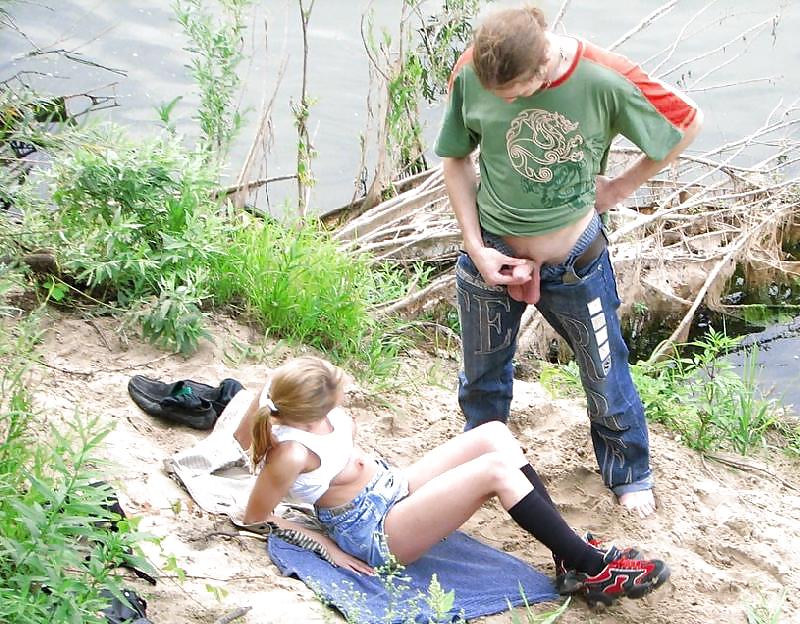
[(730, 536)]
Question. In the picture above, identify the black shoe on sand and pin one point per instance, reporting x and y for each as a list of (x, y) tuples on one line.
[(184, 402)]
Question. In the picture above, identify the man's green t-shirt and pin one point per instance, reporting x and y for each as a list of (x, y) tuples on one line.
[(539, 155)]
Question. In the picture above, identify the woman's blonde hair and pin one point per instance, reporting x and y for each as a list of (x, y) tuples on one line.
[(509, 44), (302, 390)]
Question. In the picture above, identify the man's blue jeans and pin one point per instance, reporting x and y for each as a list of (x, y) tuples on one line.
[(582, 308)]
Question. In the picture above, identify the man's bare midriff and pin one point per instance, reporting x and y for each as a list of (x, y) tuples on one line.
[(552, 247), (353, 478)]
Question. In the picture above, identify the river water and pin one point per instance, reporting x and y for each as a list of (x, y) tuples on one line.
[(146, 44)]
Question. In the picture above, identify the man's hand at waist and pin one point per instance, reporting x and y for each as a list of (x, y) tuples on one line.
[(520, 275), (608, 193), (499, 269)]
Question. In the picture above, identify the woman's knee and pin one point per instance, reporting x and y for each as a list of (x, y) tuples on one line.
[(496, 436), (497, 468)]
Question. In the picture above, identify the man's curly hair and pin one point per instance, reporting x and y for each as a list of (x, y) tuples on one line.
[(509, 44)]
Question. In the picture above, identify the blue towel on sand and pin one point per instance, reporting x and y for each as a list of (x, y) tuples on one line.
[(485, 581)]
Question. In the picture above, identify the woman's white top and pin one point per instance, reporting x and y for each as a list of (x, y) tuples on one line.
[(333, 449)]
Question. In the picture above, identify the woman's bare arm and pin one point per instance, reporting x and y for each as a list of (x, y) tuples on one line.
[(286, 462)]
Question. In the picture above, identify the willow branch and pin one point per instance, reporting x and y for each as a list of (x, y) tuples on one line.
[(562, 11), (647, 21), (721, 48)]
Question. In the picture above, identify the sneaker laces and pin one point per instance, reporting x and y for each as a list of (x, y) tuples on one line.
[(628, 564), (612, 552)]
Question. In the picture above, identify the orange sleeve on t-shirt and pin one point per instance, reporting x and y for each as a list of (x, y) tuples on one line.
[(679, 111), (466, 57)]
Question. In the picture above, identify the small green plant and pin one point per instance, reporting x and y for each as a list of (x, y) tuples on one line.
[(766, 611), (216, 45)]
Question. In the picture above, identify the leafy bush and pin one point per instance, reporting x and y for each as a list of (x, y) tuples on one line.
[(56, 556), (136, 222)]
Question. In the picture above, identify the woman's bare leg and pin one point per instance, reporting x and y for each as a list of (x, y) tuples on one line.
[(439, 505), (492, 437)]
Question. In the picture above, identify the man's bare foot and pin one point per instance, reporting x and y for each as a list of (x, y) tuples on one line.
[(642, 502)]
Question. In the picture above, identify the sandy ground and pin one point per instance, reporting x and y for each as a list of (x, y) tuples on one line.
[(732, 537)]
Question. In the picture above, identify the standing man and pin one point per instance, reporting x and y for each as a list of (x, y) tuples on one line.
[(544, 109)]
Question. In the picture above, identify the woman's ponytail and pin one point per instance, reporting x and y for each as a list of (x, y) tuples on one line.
[(262, 435)]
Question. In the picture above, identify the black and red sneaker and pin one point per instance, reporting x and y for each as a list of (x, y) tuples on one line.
[(622, 577), (568, 581)]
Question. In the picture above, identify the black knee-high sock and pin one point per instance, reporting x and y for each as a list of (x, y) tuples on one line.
[(536, 482), (539, 518)]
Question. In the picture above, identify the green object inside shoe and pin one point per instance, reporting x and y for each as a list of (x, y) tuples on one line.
[(183, 392)]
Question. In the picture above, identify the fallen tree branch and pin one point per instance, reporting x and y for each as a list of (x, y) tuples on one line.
[(741, 464), (679, 334)]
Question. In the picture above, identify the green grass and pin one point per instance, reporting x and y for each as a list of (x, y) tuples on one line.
[(298, 285), (701, 397), (56, 551)]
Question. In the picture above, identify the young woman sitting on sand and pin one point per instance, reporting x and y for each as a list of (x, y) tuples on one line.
[(302, 442)]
